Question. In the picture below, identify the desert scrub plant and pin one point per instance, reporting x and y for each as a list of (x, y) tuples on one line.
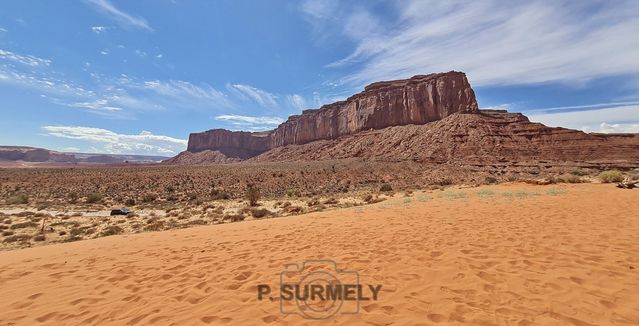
[(490, 180), (39, 237), (111, 230), (18, 199), (234, 217), (444, 182), (570, 178), (17, 237), (24, 225), (94, 197), (252, 194), (149, 198), (260, 212), (610, 176), (386, 187)]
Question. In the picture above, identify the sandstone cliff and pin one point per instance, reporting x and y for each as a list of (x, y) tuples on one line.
[(418, 100)]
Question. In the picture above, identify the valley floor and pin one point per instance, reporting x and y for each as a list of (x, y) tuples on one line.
[(504, 254)]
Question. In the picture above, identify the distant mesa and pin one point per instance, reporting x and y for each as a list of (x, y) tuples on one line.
[(43, 156)]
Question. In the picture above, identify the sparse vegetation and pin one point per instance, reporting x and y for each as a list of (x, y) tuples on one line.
[(491, 180), (610, 176), (252, 194), (94, 197), (385, 187), (19, 199), (111, 230)]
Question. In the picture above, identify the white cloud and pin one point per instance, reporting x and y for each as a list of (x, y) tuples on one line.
[(120, 16), (99, 29), (619, 128), (101, 104), (259, 96), (185, 91), (115, 143), (297, 101), (3, 30), (159, 56), (140, 53), (28, 60), (519, 43), (323, 9), (612, 119), (242, 120)]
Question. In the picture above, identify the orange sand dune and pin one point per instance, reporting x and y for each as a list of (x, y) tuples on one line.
[(497, 255)]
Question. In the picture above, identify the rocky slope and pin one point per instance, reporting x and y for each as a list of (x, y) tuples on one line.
[(487, 137)]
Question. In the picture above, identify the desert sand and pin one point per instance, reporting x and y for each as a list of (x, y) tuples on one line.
[(510, 254)]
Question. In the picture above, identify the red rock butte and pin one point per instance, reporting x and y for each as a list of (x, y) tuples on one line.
[(418, 100), (431, 117)]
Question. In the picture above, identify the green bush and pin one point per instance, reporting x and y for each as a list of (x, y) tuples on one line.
[(611, 176)]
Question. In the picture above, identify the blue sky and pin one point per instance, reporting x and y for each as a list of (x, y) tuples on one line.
[(139, 76)]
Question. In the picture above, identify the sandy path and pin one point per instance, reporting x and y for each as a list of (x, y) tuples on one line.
[(491, 256)]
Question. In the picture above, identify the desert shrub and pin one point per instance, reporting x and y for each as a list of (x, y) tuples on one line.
[(611, 176), (7, 221), (111, 230), (313, 202), (73, 197), (579, 173), (94, 197), (73, 238), (18, 199), (491, 180), (17, 237), (367, 198), (129, 202), (219, 194), (24, 225), (3, 227), (386, 187), (252, 194), (196, 222), (286, 204), (331, 201), (149, 198), (7, 233), (154, 225), (61, 233), (293, 209), (293, 193), (39, 237), (234, 217), (571, 178), (260, 212), (444, 182)]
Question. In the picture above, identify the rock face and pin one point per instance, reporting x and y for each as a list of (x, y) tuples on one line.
[(418, 100)]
